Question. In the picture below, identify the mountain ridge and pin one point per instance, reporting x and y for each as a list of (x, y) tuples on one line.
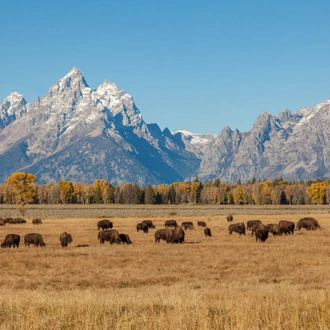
[(80, 134)]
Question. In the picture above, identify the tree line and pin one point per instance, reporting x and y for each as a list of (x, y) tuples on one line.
[(20, 188)]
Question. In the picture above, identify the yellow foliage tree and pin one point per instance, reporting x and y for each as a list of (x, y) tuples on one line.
[(317, 192), (22, 188)]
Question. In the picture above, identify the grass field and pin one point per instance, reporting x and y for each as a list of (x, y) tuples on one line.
[(219, 282)]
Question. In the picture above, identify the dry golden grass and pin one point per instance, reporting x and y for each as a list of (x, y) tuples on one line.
[(219, 282)]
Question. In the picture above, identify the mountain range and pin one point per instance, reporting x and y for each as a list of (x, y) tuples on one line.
[(79, 134)]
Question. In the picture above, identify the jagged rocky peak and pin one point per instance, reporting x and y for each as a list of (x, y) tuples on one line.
[(12, 102), (13, 106)]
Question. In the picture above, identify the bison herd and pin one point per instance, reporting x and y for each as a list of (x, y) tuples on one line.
[(172, 233), (261, 231)]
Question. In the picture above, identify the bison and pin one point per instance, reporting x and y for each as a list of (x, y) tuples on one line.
[(170, 223), (37, 221), (35, 239), (207, 232), (124, 238), (272, 228), (65, 239), (164, 234), (104, 224), (11, 240), (230, 218), (111, 235), (143, 227), (237, 227), (178, 235), (201, 224), (187, 225), (254, 227), (250, 223), (2, 222), (308, 223), (148, 223), (285, 227), (261, 233)]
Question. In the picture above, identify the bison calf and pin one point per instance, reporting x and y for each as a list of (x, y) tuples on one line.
[(125, 239)]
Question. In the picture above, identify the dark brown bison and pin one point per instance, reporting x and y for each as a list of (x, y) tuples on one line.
[(230, 218), (65, 239), (104, 224), (143, 227), (148, 223), (261, 233), (250, 223), (111, 235), (164, 234), (124, 238), (170, 223), (237, 227), (207, 232), (201, 224), (254, 227), (272, 228), (16, 220), (285, 227), (178, 235), (6, 220), (35, 239), (11, 240), (187, 225), (308, 223), (37, 221), (2, 222)]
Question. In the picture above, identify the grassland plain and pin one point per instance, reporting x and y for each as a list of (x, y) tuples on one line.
[(219, 282)]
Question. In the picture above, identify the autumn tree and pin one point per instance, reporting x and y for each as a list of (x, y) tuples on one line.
[(22, 188), (66, 191), (317, 192)]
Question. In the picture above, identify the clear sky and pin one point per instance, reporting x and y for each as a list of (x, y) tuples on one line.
[(194, 65)]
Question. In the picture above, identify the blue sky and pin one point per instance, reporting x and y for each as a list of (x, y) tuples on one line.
[(194, 65)]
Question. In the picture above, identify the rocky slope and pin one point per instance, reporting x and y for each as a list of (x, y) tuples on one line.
[(79, 134)]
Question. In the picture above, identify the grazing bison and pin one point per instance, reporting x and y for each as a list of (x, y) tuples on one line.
[(285, 227), (250, 223), (254, 227), (272, 228), (104, 224), (187, 225), (308, 223), (237, 227), (170, 223), (111, 235), (37, 221), (35, 239), (143, 227), (201, 224), (207, 232), (11, 240), (16, 220), (261, 233), (148, 223), (2, 222), (6, 220), (124, 238), (178, 235), (65, 239), (230, 218), (164, 234)]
